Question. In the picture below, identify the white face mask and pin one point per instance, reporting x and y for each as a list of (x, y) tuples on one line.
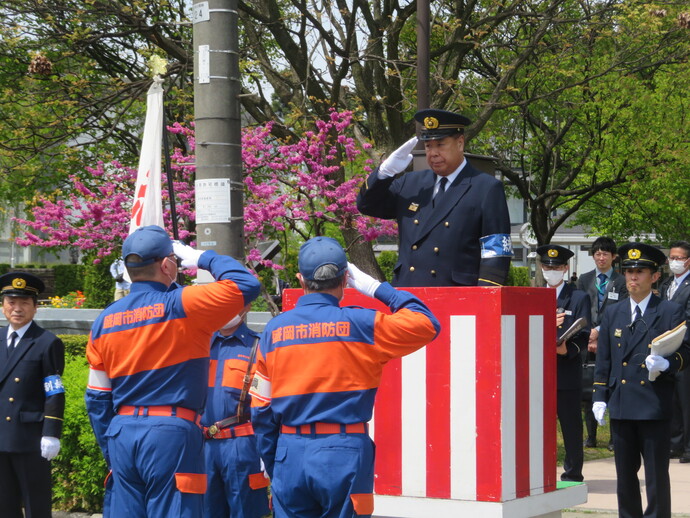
[(553, 277), (676, 266), (234, 322)]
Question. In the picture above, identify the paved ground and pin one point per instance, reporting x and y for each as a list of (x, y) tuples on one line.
[(600, 477)]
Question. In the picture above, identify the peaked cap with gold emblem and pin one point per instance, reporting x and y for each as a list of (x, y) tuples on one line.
[(554, 255), (438, 124), (20, 284), (640, 255)]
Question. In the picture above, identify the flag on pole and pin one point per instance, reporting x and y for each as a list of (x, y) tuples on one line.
[(147, 208)]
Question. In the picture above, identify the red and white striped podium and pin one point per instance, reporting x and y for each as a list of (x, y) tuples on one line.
[(468, 423)]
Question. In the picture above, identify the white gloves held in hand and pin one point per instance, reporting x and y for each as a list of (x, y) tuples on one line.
[(50, 447), (398, 160), (598, 409), (362, 282), (188, 255)]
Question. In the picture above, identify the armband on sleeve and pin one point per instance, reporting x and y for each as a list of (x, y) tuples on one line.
[(496, 245), (52, 385)]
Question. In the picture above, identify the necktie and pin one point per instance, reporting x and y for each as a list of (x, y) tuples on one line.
[(638, 314), (601, 288), (671, 289), (441, 189), (13, 342)]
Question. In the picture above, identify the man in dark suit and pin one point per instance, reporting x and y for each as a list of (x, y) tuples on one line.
[(32, 400), (677, 289), (605, 287), (571, 304), (636, 386), (453, 223)]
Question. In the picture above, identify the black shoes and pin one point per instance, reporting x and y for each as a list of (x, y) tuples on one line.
[(685, 458), (590, 443), (610, 446), (676, 454)]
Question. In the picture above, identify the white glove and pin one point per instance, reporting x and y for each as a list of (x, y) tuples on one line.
[(655, 365), (362, 282), (188, 255), (598, 409), (50, 446), (398, 160)]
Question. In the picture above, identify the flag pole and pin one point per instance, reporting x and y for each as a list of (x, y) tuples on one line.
[(168, 174)]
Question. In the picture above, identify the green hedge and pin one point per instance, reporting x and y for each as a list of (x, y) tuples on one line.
[(99, 285), (518, 276), (68, 278), (79, 469)]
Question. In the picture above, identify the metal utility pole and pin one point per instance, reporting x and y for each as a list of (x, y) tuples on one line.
[(219, 187)]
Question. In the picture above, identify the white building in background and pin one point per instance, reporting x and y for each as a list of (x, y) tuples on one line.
[(13, 254)]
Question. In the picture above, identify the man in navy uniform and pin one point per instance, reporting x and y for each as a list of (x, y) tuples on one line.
[(453, 222), (677, 289), (640, 409), (571, 305), (605, 287), (32, 400)]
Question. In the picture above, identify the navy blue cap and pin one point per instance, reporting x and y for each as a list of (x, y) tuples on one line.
[(554, 255), (20, 284), (321, 251), (438, 124), (149, 243), (640, 255)]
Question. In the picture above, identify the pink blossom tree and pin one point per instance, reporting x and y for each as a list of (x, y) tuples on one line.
[(295, 190)]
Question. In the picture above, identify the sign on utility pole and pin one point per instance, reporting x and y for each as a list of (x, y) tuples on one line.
[(219, 187)]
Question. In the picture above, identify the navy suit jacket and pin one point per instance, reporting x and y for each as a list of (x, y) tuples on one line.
[(621, 376), (441, 246), (26, 413), (569, 366), (615, 292)]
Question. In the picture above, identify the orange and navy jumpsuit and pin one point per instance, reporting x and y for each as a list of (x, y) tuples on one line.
[(318, 370), (237, 486), (149, 361)]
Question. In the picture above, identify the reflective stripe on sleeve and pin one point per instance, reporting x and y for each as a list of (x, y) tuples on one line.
[(99, 380)]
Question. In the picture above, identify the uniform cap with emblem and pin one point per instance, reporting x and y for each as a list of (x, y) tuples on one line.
[(640, 255), (20, 284), (321, 251), (438, 124), (149, 243), (554, 255)]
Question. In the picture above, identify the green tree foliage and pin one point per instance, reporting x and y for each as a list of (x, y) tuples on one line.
[(73, 83), (556, 88)]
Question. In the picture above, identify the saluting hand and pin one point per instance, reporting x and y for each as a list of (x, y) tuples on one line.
[(399, 159), (188, 255), (362, 282)]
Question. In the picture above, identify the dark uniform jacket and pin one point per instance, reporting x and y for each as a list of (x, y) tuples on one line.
[(615, 292), (621, 376), (26, 413), (569, 366), (681, 296), (442, 245)]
